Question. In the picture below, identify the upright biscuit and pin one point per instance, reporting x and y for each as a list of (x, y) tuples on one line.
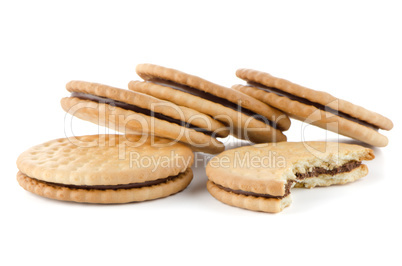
[(248, 118), (316, 107), (136, 113)]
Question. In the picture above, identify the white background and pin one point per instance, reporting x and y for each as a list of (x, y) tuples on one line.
[(351, 49)]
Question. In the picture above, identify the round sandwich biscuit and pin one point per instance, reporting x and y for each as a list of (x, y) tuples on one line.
[(260, 177), (133, 112), (316, 107), (247, 117), (106, 168)]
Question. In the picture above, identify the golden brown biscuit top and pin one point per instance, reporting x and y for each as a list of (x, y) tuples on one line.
[(105, 159)]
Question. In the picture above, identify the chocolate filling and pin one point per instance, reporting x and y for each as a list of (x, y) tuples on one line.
[(212, 98), (347, 167), (307, 102), (113, 187), (99, 99), (267, 196)]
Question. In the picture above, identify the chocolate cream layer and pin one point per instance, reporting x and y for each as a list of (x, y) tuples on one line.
[(288, 186), (307, 102), (134, 108), (113, 187), (213, 98), (317, 171)]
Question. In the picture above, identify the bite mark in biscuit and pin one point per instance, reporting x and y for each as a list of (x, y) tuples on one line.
[(308, 164)]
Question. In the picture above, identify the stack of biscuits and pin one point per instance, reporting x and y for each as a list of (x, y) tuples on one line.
[(170, 114)]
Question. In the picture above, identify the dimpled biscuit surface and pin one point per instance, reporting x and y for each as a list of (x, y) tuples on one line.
[(105, 160)]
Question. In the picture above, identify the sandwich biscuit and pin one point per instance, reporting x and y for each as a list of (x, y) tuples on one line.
[(137, 113), (260, 177), (316, 107), (247, 117), (106, 168)]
